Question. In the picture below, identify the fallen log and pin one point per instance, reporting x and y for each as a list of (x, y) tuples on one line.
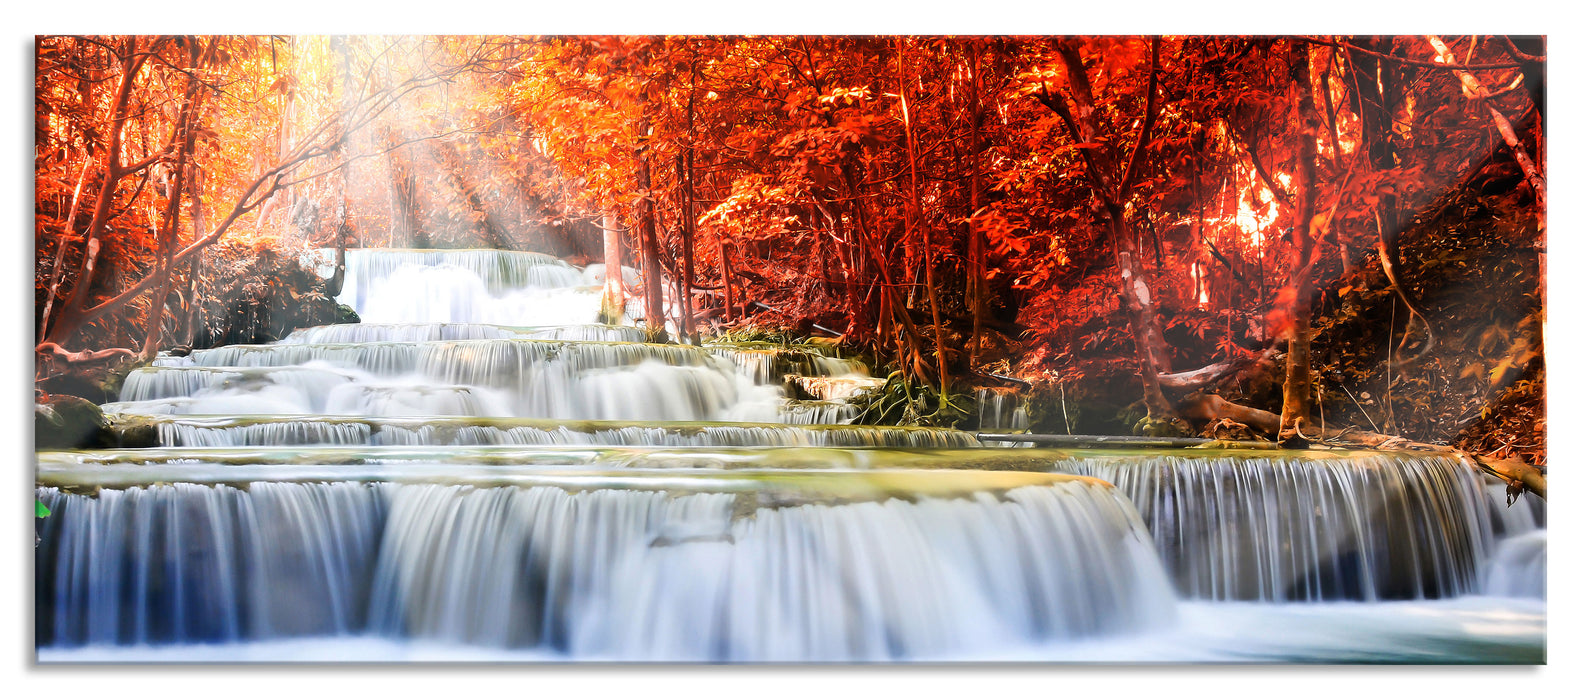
[(1209, 407), (1205, 376), (1514, 472), (1120, 441)]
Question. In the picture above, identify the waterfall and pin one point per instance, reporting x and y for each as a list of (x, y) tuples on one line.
[(187, 563), (398, 332), (481, 468), (1003, 411), (817, 412), (628, 574), (767, 365), (204, 431), (1520, 566), (232, 433), (421, 332), (499, 271), (1307, 528), (573, 380)]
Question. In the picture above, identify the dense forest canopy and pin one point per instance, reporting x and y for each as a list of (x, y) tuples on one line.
[(1158, 211)]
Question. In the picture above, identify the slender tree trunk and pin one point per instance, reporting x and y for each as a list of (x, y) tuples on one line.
[(688, 216), (648, 239), (914, 211), (725, 280), (1147, 335), (1294, 412), (405, 221), (977, 278), (1113, 189), (72, 311), (845, 253), (684, 194), (343, 230), (196, 319), (612, 306), (343, 214), (184, 138), (60, 252)]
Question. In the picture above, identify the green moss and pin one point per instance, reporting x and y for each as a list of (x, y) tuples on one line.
[(345, 314)]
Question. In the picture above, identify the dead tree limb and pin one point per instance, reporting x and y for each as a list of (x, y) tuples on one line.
[(1518, 475), (1475, 90)]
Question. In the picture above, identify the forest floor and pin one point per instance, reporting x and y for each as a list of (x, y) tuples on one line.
[(1471, 263)]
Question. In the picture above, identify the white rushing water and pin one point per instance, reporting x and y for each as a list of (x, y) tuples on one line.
[(1309, 527), (481, 472), (181, 431), (617, 574)]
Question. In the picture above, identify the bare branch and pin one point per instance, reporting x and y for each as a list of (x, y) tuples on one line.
[(1475, 89), (1413, 62)]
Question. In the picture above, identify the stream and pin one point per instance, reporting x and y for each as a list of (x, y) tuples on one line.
[(481, 472)]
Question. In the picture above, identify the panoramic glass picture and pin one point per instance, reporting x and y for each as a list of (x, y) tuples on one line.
[(825, 349)]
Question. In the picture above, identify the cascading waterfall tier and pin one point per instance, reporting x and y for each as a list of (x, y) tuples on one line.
[(1307, 527), (818, 412), (190, 563), (1003, 411), (500, 271), (573, 380), (465, 286), (234, 431), (1229, 525), (480, 464), (419, 332), (1519, 566), (766, 365), (818, 568), (475, 357)]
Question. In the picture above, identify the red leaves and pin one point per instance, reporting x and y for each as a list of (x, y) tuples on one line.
[(1282, 314)]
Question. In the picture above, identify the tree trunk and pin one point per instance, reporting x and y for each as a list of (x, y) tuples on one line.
[(612, 306), (66, 234), (684, 291), (1113, 190), (977, 276), (725, 280), (343, 213), (406, 225), (195, 316), (73, 310), (1295, 409), (648, 239), (1152, 351), (914, 211), (183, 137), (688, 217), (857, 318)]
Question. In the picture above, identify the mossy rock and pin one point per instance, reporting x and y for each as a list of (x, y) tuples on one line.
[(345, 314), (132, 431), (1172, 427), (68, 422)]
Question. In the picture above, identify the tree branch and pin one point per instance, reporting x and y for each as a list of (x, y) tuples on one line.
[(1151, 112), (1410, 61), (1263, 173), (1475, 89)]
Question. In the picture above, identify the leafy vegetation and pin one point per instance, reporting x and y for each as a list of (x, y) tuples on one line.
[(1100, 216)]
